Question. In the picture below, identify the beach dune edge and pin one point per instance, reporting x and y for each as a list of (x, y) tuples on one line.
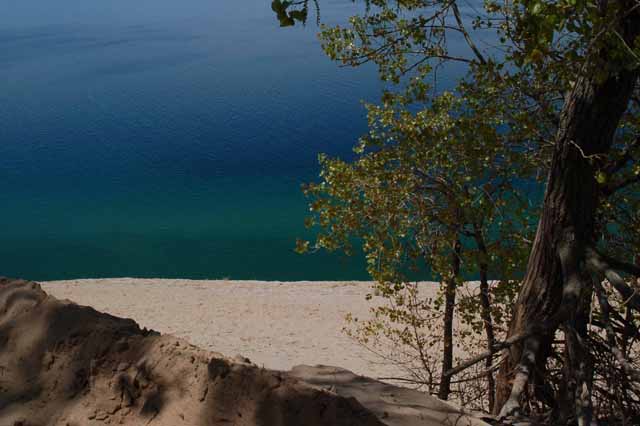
[(69, 365)]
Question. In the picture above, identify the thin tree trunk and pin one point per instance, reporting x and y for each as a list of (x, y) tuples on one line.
[(485, 312), (580, 371), (589, 118), (449, 307)]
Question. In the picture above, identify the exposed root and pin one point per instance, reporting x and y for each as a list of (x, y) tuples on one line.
[(512, 407)]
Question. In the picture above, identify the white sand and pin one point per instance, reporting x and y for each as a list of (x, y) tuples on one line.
[(275, 324)]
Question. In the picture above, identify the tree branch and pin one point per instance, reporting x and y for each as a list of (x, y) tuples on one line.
[(481, 357), (629, 268), (525, 367), (611, 189), (467, 37), (598, 262), (625, 158), (633, 373)]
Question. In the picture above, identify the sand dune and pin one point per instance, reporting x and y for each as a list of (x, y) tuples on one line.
[(69, 365), (275, 324)]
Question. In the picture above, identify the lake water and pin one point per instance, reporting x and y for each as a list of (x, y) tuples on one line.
[(164, 138)]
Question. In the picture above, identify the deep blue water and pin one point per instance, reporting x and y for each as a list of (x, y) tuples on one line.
[(158, 138), (164, 138)]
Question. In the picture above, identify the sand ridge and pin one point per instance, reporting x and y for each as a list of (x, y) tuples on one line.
[(275, 324), (70, 365)]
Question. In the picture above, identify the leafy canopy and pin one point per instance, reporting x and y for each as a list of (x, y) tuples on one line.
[(449, 182), (440, 166)]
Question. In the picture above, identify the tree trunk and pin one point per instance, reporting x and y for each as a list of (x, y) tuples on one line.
[(579, 364), (590, 116), (485, 313), (449, 307)]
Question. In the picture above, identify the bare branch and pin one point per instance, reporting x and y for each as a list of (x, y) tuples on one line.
[(598, 262), (611, 335), (467, 37), (532, 330), (495, 349)]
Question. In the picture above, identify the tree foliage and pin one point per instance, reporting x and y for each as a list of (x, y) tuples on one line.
[(290, 12), (452, 180)]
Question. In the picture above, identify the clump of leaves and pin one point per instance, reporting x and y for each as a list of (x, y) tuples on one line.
[(423, 179)]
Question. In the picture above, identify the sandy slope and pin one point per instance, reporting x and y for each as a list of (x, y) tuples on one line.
[(63, 364), (275, 324)]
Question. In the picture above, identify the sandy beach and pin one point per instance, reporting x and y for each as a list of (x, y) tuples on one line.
[(277, 325)]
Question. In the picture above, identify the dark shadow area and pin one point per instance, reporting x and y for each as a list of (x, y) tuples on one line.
[(248, 395), (54, 354)]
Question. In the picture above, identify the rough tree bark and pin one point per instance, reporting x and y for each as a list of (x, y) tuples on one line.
[(449, 306), (591, 113)]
